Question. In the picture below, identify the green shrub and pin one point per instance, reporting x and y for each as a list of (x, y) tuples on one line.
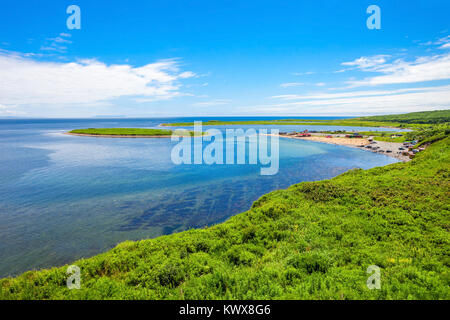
[(171, 275)]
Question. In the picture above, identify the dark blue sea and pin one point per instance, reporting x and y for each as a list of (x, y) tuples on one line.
[(65, 197)]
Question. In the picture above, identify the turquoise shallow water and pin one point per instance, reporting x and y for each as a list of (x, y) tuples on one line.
[(64, 197)]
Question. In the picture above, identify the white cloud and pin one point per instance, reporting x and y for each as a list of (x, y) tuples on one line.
[(57, 44), (303, 73), (371, 63), (421, 69), (59, 40), (8, 110), (24, 81), (377, 70), (55, 48), (187, 74), (368, 93), (360, 102), (444, 42), (430, 68), (291, 84)]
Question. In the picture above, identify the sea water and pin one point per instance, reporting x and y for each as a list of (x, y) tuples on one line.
[(67, 197)]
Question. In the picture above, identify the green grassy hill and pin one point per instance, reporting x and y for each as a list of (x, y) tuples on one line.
[(341, 122), (412, 120), (313, 240), (424, 117)]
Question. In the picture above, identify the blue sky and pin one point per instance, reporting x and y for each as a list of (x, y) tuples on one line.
[(242, 58)]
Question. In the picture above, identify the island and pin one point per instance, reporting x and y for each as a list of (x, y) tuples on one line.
[(127, 133)]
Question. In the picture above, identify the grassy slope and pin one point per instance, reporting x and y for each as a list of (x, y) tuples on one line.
[(125, 132), (313, 240), (424, 117)]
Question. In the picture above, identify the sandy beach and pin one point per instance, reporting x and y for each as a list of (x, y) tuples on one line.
[(390, 149), (352, 142)]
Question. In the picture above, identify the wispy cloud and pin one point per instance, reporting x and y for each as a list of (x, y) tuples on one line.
[(444, 42), (371, 101), (429, 67), (348, 94), (59, 40), (8, 110), (307, 73), (441, 42), (54, 48), (57, 44), (291, 84), (422, 69), (372, 63), (423, 79)]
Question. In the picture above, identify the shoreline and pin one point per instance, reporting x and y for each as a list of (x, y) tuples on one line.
[(168, 125), (357, 143), (116, 135)]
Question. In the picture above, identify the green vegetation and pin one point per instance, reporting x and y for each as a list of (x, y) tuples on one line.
[(127, 132), (411, 120), (429, 135), (313, 240), (387, 136), (425, 117), (389, 139), (382, 135), (424, 133), (341, 122)]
